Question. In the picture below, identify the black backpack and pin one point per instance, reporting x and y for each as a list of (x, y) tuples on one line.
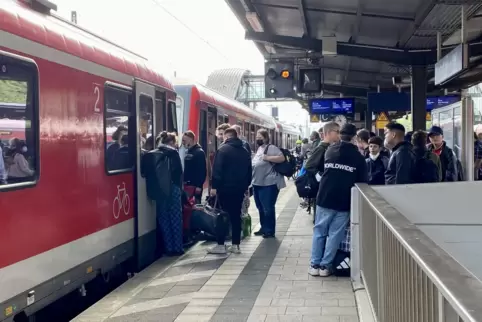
[(307, 186), (156, 168), (426, 169), (288, 167)]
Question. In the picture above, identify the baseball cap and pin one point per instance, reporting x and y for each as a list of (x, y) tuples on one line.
[(435, 130)]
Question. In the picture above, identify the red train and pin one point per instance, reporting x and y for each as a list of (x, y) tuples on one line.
[(67, 93)]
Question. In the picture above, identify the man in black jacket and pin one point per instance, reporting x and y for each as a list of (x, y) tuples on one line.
[(401, 166), (315, 162), (194, 164), (232, 174), (344, 166), (448, 159)]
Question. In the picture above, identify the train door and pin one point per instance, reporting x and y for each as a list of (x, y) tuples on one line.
[(145, 227)]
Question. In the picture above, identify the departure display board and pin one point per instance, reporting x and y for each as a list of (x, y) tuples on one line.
[(332, 106)]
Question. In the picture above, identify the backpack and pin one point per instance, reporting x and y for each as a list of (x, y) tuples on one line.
[(307, 186), (426, 169), (156, 168), (286, 168)]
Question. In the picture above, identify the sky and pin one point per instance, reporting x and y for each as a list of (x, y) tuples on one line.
[(186, 38)]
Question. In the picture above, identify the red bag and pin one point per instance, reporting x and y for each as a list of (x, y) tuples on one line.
[(187, 208)]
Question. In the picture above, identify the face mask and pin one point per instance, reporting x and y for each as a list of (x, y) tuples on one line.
[(374, 157), (259, 142), (24, 149)]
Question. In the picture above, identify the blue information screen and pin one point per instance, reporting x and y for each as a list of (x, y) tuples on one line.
[(332, 106)]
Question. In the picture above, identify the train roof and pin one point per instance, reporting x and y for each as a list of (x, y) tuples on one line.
[(19, 18), (288, 128), (212, 97)]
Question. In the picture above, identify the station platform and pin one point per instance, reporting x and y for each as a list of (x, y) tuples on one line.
[(267, 282)]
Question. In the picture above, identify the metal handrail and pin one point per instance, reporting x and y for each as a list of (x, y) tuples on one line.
[(461, 289)]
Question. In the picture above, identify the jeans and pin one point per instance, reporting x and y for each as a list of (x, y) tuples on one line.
[(328, 232), (231, 202), (265, 198)]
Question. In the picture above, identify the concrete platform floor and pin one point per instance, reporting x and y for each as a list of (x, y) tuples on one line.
[(268, 282)]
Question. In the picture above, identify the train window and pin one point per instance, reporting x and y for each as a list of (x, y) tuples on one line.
[(19, 126), (180, 114), (172, 117), (203, 129), (161, 113), (226, 119), (117, 114), (146, 110)]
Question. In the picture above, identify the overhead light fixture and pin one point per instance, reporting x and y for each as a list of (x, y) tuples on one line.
[(254, 21)]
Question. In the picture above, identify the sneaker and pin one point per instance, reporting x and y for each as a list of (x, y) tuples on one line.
[(234, 249), (314, 270), (218, 249), (324, 271), (268, 236), (258, 233)]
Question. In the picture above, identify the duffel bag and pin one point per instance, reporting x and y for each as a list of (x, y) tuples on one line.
[(210, 220)]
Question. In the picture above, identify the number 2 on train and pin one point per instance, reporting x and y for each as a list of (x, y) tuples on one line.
[(96, 105)]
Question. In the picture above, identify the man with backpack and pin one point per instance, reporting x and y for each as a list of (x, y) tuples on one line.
[(427, 164), (307, 185)]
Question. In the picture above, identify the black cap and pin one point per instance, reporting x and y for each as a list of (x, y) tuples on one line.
[(435, 130), (348, 129)]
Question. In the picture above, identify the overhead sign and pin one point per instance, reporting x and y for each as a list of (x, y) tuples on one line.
[(428, 117), (332, 105), (451, 65), (315, 118), (381, 121)]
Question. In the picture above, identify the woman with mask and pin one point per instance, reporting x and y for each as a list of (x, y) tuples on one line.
[(266, 183), (18, 167)]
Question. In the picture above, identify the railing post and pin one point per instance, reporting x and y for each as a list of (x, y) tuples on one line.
[(380, 273), (355, 265)]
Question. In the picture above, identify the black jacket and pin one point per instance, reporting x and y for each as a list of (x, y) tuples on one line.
[(344, 166), (383, 152), (247, 147), (232, 170), (195, 166), (401, 167), (376, 170), (316, 161), (162, 168), (448, 160)]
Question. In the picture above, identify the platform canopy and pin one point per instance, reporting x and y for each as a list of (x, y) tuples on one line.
[(375, 39)]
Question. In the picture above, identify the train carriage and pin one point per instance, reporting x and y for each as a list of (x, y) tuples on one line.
[(201, 110), (79, 214)]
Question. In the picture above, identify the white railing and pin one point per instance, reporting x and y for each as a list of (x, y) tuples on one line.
[(407, 276)]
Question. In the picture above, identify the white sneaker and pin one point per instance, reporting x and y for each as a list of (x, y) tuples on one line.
[(234, 249), (324, 271), (218, 249), (314, 271)]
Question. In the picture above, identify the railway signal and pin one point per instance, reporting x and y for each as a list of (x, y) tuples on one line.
[(279, 79)]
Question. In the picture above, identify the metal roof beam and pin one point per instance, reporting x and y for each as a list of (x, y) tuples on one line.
[(386, 54), (354, 37), (422, 12), (304, 20), (390, 55), (339, 12)]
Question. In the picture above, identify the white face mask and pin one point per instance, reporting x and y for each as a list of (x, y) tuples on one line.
[(374, 157), (24, 149)]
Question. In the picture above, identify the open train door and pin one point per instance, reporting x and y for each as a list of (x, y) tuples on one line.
[(145, 223)]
